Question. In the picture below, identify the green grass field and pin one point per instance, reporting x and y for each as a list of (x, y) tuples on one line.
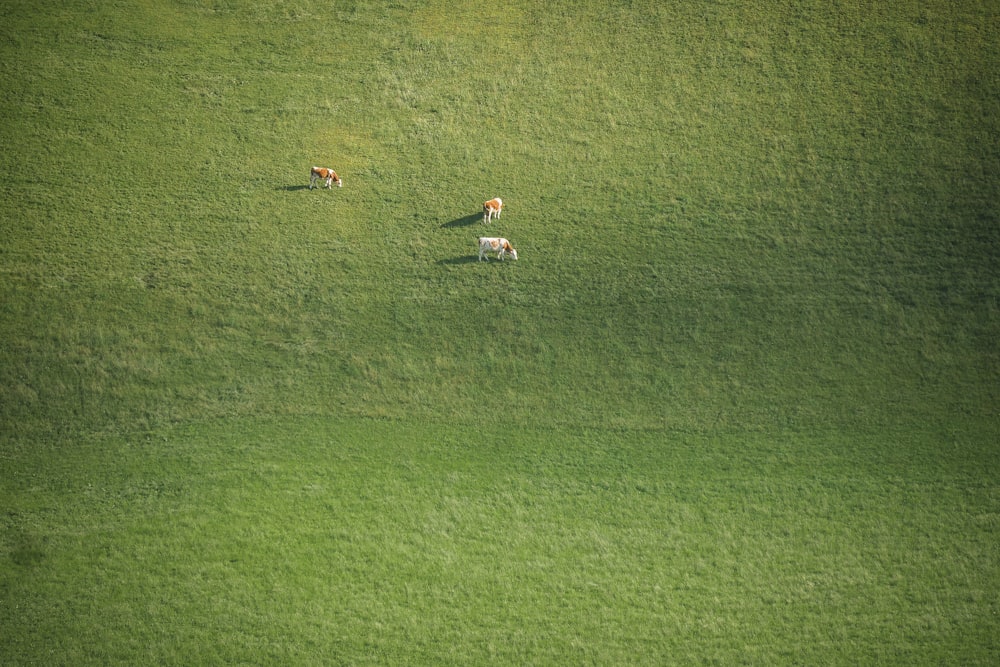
[(738, 401)]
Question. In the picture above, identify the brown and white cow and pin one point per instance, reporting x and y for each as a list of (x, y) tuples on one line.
[(495, 244), (328, 176), (491, 209)]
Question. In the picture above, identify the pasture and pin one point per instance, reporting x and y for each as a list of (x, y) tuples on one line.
[(735, 403)]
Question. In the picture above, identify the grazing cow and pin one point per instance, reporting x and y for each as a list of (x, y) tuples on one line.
[(491, 209), (492, 243), (328, 176)]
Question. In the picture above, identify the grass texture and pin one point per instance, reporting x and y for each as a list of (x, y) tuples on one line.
[(736, 403)]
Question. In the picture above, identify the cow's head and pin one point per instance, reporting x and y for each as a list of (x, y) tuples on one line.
[(513, 253)]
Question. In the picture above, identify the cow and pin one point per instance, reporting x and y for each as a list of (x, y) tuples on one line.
[(491, 209), (328, 176), (492, 243)]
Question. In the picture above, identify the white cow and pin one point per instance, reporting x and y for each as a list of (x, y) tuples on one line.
[(495, 244)]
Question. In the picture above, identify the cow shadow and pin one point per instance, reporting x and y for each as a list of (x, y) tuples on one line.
[(463, 259), (470, 219), (292, 188)]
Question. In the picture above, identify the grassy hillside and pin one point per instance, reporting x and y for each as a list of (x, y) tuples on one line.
[(768, 231), (759, 217)]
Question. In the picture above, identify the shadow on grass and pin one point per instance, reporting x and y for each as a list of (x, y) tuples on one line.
[(464, 259), (292, 188), (464, 222)]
